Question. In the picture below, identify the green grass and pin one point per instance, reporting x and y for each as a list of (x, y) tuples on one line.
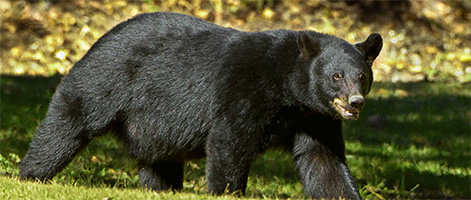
[(12, 188), (412, 141)]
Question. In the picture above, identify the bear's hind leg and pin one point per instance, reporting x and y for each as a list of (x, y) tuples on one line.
[(162, 175), (55, 144), (67, 129)]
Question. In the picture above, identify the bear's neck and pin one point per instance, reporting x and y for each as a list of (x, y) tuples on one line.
[(284, 64), (255, 75)]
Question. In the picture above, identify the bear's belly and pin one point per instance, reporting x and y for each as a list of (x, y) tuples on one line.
[(171, 146)]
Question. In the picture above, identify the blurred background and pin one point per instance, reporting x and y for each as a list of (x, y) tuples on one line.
[(412, 140), (423, 40)]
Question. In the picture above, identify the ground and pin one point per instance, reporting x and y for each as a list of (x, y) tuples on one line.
[(411, 141)]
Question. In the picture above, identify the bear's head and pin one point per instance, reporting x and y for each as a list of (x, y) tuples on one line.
[(333, 76)]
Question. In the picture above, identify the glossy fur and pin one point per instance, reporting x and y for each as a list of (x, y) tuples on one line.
[(175, 88)]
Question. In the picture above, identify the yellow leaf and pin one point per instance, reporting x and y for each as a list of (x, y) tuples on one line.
[(295, 9), (109, 9), (202, 14), (450, 56), (352, 36), (111, 171), (416, 59), (39, 57), (54, 40), (16, 51), (401, 93), (401, 64), (120, 3), (133, 10), (184, 3), (85, 30), (19, 70), (465, 58), (5, 5), (268, 13), (415, 68), (68, 19), (95, 159), (82, 45), (61, 54), (382, 91), (431, 49)]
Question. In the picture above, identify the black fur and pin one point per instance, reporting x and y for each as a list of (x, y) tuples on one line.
[(175, 88)]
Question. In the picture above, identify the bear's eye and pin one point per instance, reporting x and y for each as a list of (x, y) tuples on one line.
[(362, 76), (338, 76)]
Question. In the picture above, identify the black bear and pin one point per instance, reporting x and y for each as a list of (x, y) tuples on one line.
[(174, 88)]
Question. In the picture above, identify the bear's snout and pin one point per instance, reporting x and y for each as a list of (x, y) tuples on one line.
[(349, 108), (356, 102)]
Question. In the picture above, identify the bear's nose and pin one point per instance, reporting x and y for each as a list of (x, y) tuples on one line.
[(356, 101)]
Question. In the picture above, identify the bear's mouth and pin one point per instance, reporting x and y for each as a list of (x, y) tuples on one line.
[(344, 110)]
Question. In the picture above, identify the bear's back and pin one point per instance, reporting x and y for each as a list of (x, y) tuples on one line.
[(177, 75), (151, 52)]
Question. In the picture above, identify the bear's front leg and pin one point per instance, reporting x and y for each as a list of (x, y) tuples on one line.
[(320, 160), (229, 157)]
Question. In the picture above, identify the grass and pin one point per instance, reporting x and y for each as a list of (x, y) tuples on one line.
[(12, 188), (412, 141)]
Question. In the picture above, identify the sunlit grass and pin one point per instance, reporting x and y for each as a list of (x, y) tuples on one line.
[(13, 189)]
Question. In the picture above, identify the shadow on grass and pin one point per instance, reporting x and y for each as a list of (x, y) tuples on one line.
[(409, 134), (23, 103), (421, 137)]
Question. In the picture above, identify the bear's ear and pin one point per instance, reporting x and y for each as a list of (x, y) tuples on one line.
[(307, 46), (371, 47)]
